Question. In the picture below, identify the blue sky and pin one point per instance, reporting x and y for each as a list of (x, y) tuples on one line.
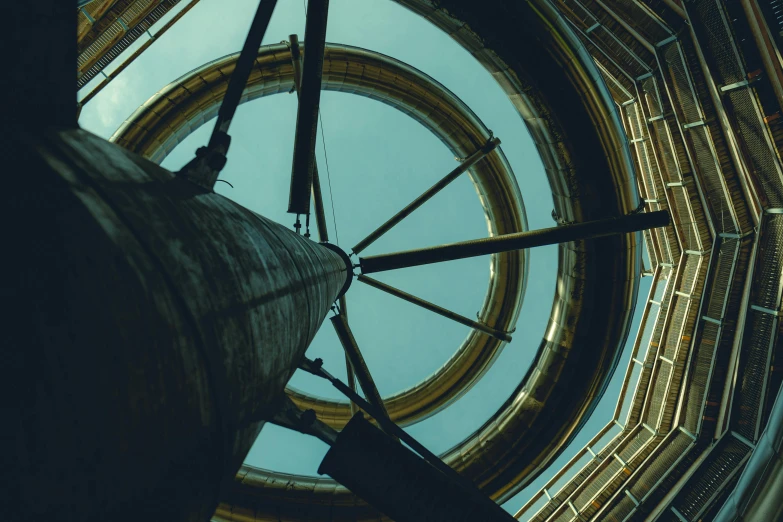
[(379, 160)]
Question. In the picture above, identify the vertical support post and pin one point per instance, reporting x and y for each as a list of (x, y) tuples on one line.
[(320, 213), (307, 114)]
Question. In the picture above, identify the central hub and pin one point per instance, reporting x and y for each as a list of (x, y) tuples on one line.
[(348, 266)]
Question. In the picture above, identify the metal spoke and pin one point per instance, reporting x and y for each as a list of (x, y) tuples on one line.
[(502, 336), (307, 113), (356, 359), (204, 169), (348, 366), (320, 214), (518, 241), (316, 368), (428, 194)]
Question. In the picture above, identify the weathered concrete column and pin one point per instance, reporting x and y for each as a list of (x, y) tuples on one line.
[(153, 327)]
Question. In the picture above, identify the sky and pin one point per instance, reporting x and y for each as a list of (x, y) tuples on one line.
[(379, 160)]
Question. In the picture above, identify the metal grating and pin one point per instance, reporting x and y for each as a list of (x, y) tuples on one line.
[(658, 395), (635, 444), (767, 292), (761, 158), (754, 367), (724, 460), (711, 175), (699, 377), (681, 83)]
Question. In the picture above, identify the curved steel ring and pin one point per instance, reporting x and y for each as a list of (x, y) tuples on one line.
[(554, 85), (177, 110)]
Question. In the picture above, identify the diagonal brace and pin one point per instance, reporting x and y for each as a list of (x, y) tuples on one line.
[(502, 336), (517, 241), (358, 364)]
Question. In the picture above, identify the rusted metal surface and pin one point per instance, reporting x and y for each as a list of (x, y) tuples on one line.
[(318, 197), (155, 327), (130, 59), (758, 493)]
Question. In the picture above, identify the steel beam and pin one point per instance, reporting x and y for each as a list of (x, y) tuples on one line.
[(318, 198), (350, 374), (362, 454), (307, 113), (518, 241), (502, 336), (428, 194), (204, 169), (358, 364), (316, 368), (244, 65)]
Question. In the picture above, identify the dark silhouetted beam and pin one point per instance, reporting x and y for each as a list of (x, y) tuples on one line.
[(154, 38), (401, 484), (466, 486), (357, 362), (518, 241), (236, 85), (320, 214), (351, 376), (427, 195), (435, 308), (307, 114)]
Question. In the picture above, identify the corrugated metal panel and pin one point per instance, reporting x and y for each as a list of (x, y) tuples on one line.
[(594, 487), (115, 40)]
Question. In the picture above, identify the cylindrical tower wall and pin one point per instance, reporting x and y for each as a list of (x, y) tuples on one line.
[(154, 326)]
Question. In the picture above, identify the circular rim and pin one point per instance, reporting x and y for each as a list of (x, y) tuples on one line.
[(556, 88), (176, 111)]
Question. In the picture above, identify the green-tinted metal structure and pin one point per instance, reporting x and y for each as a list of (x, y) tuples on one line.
[(650, 105)]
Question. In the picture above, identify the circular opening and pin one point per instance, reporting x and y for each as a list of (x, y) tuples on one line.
[(396, 148)]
